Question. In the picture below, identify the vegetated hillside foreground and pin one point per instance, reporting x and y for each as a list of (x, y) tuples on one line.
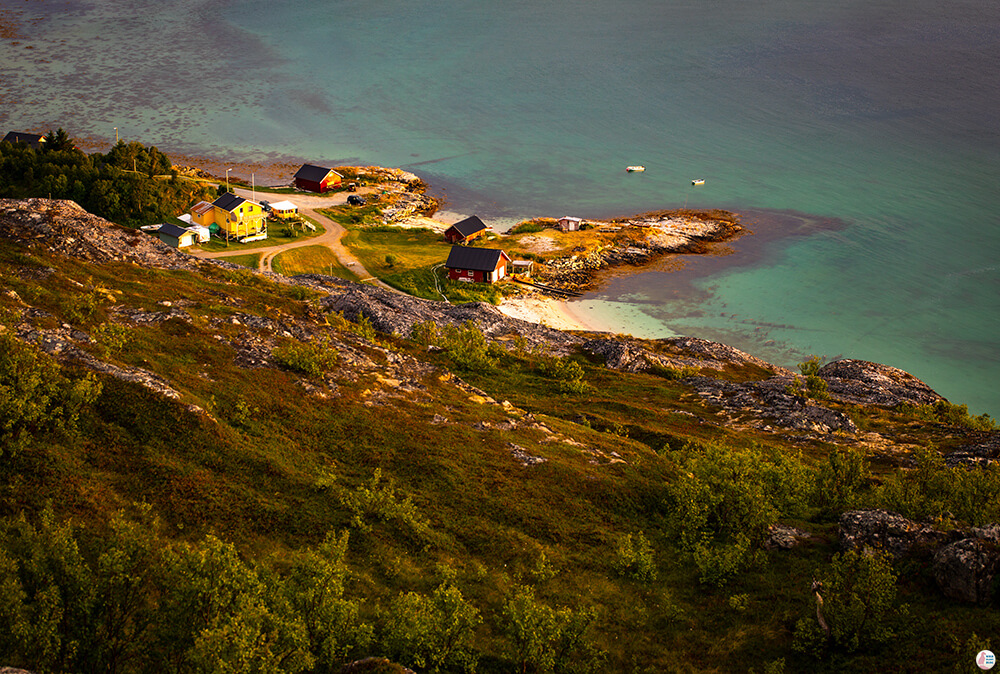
[(209, 469)]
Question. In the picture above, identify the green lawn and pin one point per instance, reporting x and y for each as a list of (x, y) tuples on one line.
[(312, 260), (251, 260), (275, 237), (417, 259)]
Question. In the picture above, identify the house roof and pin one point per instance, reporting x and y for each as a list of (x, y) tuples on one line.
[(478, 259), (229, 202), (32, 139), (172, 230), (283, 205), (569, 217), (201, 208), (471, 225), (314, 173)]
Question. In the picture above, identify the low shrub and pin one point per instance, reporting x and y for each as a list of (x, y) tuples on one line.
[(309, 358)]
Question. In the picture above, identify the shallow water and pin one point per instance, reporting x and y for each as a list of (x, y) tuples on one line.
[(861, 140)]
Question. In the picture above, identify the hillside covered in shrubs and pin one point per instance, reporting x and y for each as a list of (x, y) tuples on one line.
[(206, 469)]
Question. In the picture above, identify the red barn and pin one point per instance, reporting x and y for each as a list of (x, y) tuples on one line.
[(465, 230), (476, 265), (316, 178)]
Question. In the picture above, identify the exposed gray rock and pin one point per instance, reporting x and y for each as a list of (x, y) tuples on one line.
[(771, 399), (984, 452), (866, 383), (630, 355), (396, 313), (64, 227), (61, 343), (966, 569), (723, 353), (860, 529), (783, 537)]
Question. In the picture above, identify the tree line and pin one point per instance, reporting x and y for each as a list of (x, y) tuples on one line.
[(131, 185)]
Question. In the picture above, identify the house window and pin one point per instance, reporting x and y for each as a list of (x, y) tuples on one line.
[(470, 272)]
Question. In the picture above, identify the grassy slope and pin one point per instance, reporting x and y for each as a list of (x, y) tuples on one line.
[(270, 480)]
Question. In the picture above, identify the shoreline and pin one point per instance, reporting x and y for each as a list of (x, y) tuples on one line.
[(535, 307), (548, 311)]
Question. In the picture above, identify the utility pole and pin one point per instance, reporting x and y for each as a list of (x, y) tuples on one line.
[(116, 135), (227, 178)]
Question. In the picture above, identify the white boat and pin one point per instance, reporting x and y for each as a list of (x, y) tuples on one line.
[(635, 169), (698, 181)]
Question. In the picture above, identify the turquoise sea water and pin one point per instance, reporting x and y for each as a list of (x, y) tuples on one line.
[(861, 140)]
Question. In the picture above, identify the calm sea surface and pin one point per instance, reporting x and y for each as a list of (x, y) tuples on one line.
[(860, 140)]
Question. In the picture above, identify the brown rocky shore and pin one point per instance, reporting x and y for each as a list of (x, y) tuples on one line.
[(641, 240)]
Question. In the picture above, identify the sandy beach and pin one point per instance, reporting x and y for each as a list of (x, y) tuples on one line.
[(546, 311)]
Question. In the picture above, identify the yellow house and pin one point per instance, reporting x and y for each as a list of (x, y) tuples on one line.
[(232, 214)]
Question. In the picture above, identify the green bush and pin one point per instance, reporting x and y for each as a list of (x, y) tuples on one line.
[(840, 480), (634, 558), (468, 348), (935, 491), (566, 371), (673, 373), (723, 502), (547, 639), (945, 412), (811, 367), (36, 396), (315, 587), (859, 605), (313, 359), (381, 502), (112, 338), (432, 631)]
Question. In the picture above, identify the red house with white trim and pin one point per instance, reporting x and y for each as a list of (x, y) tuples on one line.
[(476, 265), (316, 178)]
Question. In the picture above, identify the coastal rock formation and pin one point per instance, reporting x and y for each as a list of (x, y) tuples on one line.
[(631, 355), (639, 241), (860, 381), (770, 399), (396, 313)]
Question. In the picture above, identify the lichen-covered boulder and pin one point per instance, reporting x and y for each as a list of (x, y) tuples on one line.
[(860, 529), (966, 569)]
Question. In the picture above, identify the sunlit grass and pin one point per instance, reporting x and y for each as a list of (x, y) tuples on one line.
[(312, 260)]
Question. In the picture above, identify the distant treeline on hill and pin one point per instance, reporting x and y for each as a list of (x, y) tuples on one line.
[(131, 184)]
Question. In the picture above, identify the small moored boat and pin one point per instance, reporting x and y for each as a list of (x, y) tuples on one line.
[(634, 169), (698, 181)]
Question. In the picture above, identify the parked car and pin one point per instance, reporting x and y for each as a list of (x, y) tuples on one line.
[(356, 200)]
